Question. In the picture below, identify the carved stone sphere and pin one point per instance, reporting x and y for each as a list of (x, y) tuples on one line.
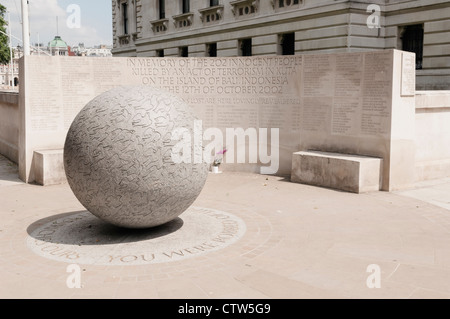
[(118, 162)]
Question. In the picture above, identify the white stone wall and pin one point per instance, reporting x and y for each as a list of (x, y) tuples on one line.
[(432, 134)]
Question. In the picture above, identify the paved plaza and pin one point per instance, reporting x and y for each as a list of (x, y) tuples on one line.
[(285, 240)]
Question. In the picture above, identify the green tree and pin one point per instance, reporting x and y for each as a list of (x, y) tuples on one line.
[(4, 41)]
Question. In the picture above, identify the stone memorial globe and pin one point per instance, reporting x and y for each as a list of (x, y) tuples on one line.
[(118, 157)]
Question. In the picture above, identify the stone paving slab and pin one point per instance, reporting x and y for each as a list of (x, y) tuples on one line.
[(436, 192), (299, 242), (8, 173)]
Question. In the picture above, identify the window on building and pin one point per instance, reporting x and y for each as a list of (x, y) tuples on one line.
[(125, 17), (183, 52), (162, 9), (287, 43), (245, 47), (185, 6), (412, 41), (240, 9), (213, 3), (287, 3), (160, 53), (211, 49)]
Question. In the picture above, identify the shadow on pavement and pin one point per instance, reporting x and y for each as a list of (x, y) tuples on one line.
[(83, 228), (9, 171)]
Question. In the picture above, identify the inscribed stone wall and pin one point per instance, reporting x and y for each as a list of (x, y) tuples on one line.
[(332, 102)]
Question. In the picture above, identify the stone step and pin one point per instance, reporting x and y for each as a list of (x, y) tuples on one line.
[(351, 173)]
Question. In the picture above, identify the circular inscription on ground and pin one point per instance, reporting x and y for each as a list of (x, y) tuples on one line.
[(82, 238)]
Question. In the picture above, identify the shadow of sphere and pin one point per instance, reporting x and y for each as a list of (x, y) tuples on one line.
[(83, 228)]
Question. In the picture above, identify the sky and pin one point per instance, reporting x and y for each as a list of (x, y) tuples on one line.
[(92, 26)]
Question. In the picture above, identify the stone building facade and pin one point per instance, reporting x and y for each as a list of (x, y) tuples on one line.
[(9, 73), (227, 28)]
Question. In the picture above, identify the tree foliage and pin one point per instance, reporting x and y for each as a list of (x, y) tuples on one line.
[(4, 41)]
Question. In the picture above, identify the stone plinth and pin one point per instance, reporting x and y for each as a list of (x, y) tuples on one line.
[(49, 167), (357, 174)]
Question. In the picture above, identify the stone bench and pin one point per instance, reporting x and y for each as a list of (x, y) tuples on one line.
[(49, 167), (352, 173)]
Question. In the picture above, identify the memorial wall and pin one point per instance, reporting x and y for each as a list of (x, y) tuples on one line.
[(331, 102)]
